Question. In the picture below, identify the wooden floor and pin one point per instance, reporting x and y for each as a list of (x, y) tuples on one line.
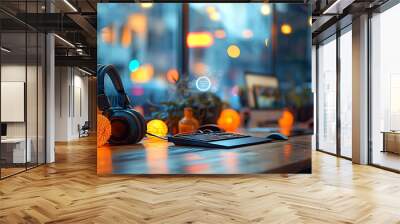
[(69, 191)]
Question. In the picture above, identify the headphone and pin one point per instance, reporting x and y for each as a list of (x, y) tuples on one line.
[(127, 125)]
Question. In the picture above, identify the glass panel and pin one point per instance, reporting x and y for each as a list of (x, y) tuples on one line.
[(13, 86), (346, 94), (385, 84), (31, 98), (327, 97), (41, 98)]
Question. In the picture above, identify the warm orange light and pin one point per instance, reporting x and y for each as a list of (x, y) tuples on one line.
[(157, 127), (247, 33), (126, 37), (286, 29), (220, 34), (108, 34), (138, 23), (199, 40), (104, 160), (229, 120), (286, 122), (103, 130), (199, 68), (233, 51), (172, 76), (143, 74), (265, 9)]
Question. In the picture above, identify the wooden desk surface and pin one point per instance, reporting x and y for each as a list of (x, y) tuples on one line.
[(155, 156)]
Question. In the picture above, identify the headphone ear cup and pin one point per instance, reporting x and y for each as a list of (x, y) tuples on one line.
[(123, 129), (141, 123)]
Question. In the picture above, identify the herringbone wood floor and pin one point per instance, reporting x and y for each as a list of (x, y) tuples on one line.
[(69, 191)]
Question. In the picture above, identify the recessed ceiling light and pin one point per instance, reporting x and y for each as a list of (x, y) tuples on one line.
[(65, 41), (84, 71), (70, 5), (5, 50)]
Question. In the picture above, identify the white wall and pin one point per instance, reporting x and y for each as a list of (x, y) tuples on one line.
[(71, 94)]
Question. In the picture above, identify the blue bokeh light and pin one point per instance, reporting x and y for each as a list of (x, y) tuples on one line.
[(134, 65)]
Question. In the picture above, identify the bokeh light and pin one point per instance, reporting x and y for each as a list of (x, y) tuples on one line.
[(203, 83), (219, 34), (126, 36), (247, 33), (143, 74), (286, 29), (233, 51), (133, 65), (108, 34), (138, 22), (265, 9), (213, 13), (211, 9), (199, 68), (146, 5), (172, 76), (229, 120), (235, 90), (266, 41), (215, 16), (199, 39), (137, 91), (310, 20), (157, 127)]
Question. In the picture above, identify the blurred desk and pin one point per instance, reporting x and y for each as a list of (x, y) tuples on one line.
[(13, 150), (160, 157)]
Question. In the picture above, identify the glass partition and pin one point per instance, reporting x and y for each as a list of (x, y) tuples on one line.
[(15, 151), (385, 89), (327, 96), (346, 94), (22, 91)]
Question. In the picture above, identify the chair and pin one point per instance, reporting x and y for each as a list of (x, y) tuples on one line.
[(84, 130)]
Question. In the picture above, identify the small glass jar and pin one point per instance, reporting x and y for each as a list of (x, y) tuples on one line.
[(188, 123)]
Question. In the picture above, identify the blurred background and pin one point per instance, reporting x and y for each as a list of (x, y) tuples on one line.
[(253, 59)]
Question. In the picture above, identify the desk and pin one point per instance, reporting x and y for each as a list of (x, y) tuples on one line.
[(161, 157), (13, 150)]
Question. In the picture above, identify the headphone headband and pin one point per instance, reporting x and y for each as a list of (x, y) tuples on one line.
[(102, 99)]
